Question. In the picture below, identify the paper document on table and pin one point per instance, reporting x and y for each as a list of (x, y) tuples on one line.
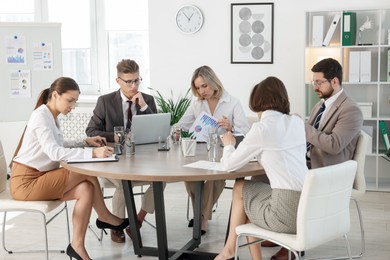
[(112, 158), (205, 165)]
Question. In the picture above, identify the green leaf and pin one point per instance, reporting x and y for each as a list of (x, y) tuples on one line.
[(168, 105)]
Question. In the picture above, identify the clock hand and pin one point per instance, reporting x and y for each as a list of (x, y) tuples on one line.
[(190, 16), (187, 16)]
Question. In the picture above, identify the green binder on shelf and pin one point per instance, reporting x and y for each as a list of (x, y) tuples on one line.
[(349, 29), (385, 135)]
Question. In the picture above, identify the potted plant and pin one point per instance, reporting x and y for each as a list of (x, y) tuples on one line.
[(168, 105)]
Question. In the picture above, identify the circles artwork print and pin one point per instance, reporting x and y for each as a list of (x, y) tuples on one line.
[(252, 33)]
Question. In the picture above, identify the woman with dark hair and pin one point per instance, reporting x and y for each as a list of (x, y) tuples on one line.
[(278, 142), (36, 172)]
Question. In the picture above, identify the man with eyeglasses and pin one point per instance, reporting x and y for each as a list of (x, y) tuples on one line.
[(334, 125), (117, 109)]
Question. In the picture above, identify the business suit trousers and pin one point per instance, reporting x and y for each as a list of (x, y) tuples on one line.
[(118, 198), (211, 192)]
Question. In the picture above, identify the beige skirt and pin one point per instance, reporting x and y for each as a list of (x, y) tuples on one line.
[(27, 183), (272, 209)]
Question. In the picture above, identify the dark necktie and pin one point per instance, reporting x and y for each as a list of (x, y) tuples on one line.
[(316, 122), (129, 115)]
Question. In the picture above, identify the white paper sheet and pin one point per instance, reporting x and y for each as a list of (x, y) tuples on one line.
[(112, 158), (217, 166)]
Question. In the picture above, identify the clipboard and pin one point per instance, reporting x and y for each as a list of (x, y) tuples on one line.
[(112, 158)]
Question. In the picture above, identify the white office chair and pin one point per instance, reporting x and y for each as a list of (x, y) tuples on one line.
[(359, 185), (7, 204), (323, 211)]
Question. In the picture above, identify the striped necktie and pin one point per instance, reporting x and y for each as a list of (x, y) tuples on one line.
[(316, 122)]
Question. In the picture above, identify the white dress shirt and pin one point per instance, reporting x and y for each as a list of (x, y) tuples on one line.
[(43, 144), (279, 144), (227, 106)]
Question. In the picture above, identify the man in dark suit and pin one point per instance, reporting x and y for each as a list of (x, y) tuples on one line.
[(113, 110), (332, 136)]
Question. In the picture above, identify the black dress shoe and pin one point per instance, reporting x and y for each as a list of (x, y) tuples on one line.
[(191, 223), (118, 236), (202, 232), (103, 225), (72, 253)]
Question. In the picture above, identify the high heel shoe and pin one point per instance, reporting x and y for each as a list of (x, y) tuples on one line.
[(103, 225), (72, 253)]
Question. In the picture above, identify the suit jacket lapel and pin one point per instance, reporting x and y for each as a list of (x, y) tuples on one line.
[(117, 104), (332, 110)]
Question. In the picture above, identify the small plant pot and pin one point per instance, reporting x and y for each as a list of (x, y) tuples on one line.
[(188, 146)]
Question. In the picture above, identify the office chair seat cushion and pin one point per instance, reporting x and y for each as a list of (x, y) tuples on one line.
[(8, 203)]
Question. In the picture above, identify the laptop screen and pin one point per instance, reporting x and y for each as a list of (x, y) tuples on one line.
[(147, 128)]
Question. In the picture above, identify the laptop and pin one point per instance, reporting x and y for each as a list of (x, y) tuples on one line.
[(239, 138), (147, 128)]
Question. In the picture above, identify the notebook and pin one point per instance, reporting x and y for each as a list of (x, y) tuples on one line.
[(147, 128)]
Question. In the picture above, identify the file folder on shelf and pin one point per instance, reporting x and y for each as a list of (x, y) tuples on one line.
[(365, 66), (332, 29), (354, 66), (317, 31), (349, 29), (385, 135)]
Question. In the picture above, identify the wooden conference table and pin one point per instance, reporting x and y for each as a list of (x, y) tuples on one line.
[(150, 165)]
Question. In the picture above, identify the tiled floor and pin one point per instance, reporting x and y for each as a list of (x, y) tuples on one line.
[(24, 231)]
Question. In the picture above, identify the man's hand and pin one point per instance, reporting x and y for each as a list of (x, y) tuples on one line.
[(96, 141), (138, 99)]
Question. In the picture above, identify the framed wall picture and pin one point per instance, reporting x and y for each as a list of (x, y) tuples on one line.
[(252, 33)]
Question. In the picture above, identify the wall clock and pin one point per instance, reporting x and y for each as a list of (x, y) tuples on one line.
[(189, 19)]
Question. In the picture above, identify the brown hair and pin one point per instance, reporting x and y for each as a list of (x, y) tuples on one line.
[(61, 86), (269, 94), (127, 66), (331, 69), (211, 79)]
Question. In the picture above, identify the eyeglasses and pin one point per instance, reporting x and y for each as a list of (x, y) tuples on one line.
[(318, 83), (131, 82)]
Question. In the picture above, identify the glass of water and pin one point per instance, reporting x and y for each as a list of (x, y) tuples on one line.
[(119, 138), (212, 143)]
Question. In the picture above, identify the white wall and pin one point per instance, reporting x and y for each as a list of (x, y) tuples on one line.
[(174, 56)]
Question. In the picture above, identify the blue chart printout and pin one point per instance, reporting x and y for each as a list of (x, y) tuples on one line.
[(201, 125)]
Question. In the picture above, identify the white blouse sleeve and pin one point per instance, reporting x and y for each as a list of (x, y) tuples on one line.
[(50, 143), (249, 148)]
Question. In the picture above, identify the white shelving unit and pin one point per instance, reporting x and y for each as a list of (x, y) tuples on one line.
[(375, 91)]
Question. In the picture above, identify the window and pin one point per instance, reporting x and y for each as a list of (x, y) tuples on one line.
[(96, 35), (16, 11)]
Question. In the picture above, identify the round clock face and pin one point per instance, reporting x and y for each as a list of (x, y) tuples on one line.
[(189, 19)]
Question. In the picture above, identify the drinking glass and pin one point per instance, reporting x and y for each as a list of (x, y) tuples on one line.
[(130, 144), (119, 138), (212, 143)]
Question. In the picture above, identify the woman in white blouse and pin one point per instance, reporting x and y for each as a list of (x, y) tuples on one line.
[(213, 99), (36, 172), (278, 142)]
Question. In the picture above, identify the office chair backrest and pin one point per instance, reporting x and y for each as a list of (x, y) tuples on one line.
[(359, 185), (3, 169), (323, 211)]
